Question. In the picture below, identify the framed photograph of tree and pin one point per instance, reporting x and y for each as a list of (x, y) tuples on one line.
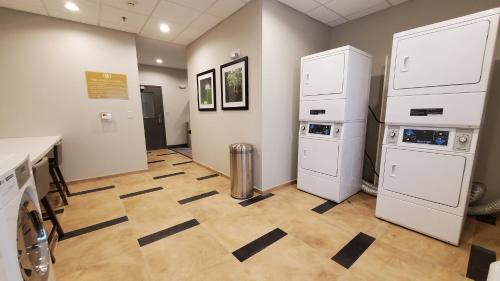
[(206, 91), (234, 85)]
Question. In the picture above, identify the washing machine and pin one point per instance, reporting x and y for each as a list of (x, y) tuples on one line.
[(24, 252), (333, 110), (438, 88)]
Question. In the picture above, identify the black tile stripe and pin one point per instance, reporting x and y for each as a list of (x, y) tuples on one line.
[(141, 192), (259, 244), (255, 199), (207, 177), (168, 175), (479, 263), (489, 219), (156, 161), (197, 197), (348, 255), (167, 232), (45, 216), (92, 228), (182, 163), (320, 209), (166, 154), (92, 190)]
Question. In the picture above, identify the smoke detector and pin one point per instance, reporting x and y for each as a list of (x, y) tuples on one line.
[(132, 2)]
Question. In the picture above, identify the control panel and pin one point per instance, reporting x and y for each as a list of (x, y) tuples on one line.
[(324, 130), (320, 129), (434, 137)]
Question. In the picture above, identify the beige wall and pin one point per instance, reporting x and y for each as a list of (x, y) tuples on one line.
[(175, 100), (287, 35), (43, 92), (374, 35), (214, 131)]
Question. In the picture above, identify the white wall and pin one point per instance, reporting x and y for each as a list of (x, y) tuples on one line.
[(43, 92), (213, 132), (175, 100), (287, 35)]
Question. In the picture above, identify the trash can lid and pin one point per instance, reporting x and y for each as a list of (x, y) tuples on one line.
[(240, 148)]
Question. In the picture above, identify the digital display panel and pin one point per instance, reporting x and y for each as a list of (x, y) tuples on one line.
[(319, 129), (426, 137)]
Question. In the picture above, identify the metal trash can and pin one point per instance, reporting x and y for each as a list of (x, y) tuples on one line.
[(241, 170)]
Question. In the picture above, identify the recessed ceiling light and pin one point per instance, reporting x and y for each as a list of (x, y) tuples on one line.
[(164, 28), (71, 6), (159, 61)]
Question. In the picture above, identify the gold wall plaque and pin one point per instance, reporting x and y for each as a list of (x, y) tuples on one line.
[(106, 85)]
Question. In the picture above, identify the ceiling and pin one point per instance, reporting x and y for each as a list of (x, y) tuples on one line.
[(187, 19), (335, 12), (148, 50)]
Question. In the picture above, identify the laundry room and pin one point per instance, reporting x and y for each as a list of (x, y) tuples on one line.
[(151, 140)]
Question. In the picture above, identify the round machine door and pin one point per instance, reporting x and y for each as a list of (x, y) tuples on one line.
[(32, 245)]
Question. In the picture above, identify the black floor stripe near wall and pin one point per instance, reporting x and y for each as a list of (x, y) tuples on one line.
[(348, 255), (207, 177), (92, 190), (479, 263), (197, 197), (164, 154), (489, 219), (255, 199), (320, 209), (92, 228), (258, 244), (182, 163), (167, 232), (124, 196), (156, 161), (45, 216), (168, 175)]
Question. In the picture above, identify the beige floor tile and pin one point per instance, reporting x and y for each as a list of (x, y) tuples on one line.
[(487, 236), (382, 261), (92, 208), (217, 207), (133, 183), (181, 255), (290, 259), (90, 184), (228, 268)]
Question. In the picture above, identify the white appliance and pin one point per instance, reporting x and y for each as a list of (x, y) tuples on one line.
[(334, 89), (435, 106), (24, 253)]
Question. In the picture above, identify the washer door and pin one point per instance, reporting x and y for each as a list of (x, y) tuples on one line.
[(32, 246), (318, 155)]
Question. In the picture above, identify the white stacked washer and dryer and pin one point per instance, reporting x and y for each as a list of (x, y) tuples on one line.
[(24, 252), (437, 93), (334, 90)]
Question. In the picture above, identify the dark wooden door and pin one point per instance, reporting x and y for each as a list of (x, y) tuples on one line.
[(152, 113)]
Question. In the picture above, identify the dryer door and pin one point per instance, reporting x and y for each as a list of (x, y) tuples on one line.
[(434, 177), (319, 155), (32, 246), (323, 76)]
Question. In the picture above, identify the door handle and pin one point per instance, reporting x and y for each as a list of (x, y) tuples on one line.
[(160, 121), (393, 170), (307, 78), (304, 153), (404, 67)]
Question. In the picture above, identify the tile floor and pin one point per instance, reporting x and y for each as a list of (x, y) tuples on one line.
[(196, 240)]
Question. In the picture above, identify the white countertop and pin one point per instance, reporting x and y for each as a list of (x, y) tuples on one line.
[(36, 147)]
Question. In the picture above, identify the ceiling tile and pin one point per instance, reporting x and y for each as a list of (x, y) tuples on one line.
[(396, 2), (152, 30), (224, 8), (112, 18), (368, 11), (182, 41), (144, 7), (322, 1), (191, 33), (88, 13), (199, 5), (206, 22), (323, 14), (30, 6), (175, 13), (337, 22), (301, 5), (349, 7)]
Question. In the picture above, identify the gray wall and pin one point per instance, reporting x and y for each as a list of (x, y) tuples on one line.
[(374, 35), (214, 131), (43, 92), (287, 35), (175, 100)]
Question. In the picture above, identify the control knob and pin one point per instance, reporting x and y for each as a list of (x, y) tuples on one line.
[(462, 139), (302, 128), (392, 134), (337, 130)]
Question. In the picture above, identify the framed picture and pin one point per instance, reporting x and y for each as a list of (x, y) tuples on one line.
[(206, 91), (234, 85)]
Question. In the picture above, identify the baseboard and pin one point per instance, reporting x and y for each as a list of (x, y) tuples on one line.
[(177, 145), (108, 176), (274, 188)]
